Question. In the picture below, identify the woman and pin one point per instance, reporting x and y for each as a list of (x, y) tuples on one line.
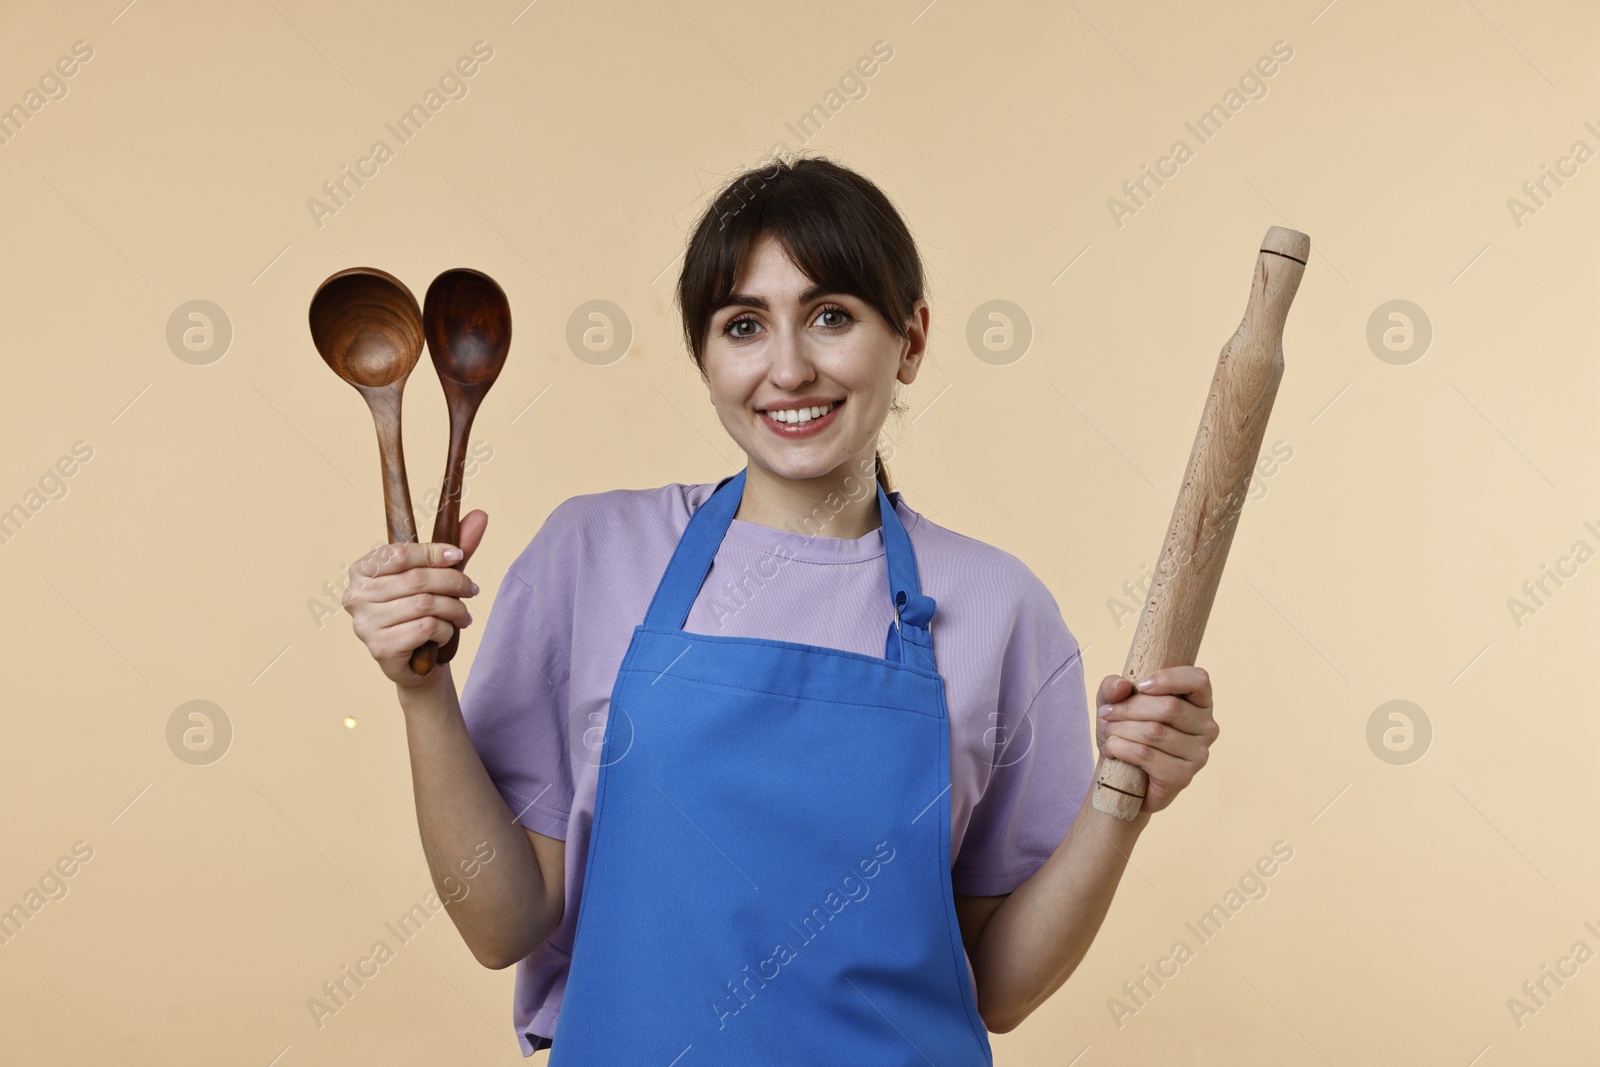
[(732, 784)]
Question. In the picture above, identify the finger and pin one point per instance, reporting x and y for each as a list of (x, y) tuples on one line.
[(1192, 682), (1172, 710), (1113, 690), (406, 638), (1171, 772), (473, 525), (380, 618), (390, 587), (1113, 687), (1173, 742), (403, 556)]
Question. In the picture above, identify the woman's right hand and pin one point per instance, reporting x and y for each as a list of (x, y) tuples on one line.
[(401, 596)]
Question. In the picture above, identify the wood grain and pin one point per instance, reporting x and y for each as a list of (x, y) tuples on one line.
[(367, 326), (467, 321), (1213, 493)]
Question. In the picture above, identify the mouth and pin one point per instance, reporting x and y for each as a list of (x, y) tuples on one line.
[(800, 422)]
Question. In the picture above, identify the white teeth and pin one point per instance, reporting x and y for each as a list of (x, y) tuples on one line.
[(794, 416)]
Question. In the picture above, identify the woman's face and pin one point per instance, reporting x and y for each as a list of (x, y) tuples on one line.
[(778, 342)]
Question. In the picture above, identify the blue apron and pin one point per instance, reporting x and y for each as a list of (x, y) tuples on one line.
[(768, 879)]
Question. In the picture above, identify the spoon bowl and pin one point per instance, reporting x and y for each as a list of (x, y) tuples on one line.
[(367, 326), (468, 324)]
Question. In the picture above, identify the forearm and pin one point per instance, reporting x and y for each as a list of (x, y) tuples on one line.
[(505, 910), (1037, 937)]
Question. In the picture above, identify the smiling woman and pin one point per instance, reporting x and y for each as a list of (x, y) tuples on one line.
[(800, 706), (650, 854), (803, 311)]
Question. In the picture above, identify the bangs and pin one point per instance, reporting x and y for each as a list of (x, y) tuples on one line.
[(838, 229)]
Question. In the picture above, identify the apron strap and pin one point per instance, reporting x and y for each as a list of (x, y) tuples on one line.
[(909, 640)]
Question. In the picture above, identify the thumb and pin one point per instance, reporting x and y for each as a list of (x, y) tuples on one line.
[(473, 524), (1111, 689)]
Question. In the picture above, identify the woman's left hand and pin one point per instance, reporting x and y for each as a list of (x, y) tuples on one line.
[(1166, 730)]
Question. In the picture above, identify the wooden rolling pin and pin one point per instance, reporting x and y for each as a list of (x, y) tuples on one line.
[(1213, 493)]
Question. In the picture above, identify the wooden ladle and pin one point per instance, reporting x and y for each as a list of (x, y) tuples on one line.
[(467, 320), (368, 328)]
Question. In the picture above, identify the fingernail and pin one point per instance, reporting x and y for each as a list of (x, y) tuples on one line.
[(451, 555), (1146, 683), (1105, 710), (474, 588)]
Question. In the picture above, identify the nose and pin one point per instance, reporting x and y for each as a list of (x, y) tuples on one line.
[(791, 365)]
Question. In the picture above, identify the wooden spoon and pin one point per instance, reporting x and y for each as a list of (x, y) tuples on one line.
[(467, 320), (366, 324)]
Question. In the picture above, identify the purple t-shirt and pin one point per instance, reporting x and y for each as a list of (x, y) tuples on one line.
[(535, 702)]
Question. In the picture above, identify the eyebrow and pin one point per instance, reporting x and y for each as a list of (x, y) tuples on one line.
[(746, 300)]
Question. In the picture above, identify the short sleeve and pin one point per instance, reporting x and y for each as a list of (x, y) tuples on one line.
[(515, 701), (1043, 767)]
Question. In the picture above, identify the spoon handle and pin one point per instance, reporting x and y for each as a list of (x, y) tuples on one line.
[(447, 520), (385, 405)]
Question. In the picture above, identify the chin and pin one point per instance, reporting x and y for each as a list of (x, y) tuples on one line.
[(798, 469), (795, 470)]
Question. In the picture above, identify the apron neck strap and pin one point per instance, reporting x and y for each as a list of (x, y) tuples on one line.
[(908, 640)]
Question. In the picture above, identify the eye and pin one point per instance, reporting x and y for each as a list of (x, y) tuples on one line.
[(734, 327), (845, 318), (731, 327)]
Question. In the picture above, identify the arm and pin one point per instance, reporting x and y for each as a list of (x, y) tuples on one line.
[(511, 889), (1025, 944), (515, 899)]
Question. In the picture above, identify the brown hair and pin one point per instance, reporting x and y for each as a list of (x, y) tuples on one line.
[(837, 226)]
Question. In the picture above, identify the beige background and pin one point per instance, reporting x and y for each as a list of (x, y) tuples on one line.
[(1377, 566)]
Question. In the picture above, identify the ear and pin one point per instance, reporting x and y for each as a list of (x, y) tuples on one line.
[(915, 345)]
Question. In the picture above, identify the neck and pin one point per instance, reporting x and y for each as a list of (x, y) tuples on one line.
[(825, 506)]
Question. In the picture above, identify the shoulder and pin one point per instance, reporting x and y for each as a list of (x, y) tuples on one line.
[(595, 512), (966, 566), (613, 519)]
